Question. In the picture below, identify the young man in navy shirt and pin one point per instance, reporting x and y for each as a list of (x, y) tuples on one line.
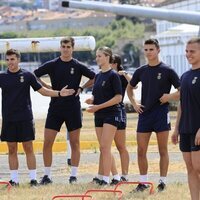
[(64, 70), (157, 79), (17, 117), (188, 118)]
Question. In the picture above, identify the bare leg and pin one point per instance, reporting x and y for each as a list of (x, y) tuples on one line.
[(120, 141), (68, 149), (142, 142), (12, 155), (193, 179), (30, 156), (74, 137), (113, 167), (13, 162), (107, 137), (99, 134), (49, 137), (162, 138), (31, 161)]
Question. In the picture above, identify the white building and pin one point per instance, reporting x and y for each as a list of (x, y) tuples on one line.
[(173, 36), (54, 4), (49, 4)]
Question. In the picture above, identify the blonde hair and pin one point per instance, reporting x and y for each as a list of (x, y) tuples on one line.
[(194, 40), (107, 52)]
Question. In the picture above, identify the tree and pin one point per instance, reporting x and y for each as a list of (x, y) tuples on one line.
[(123, 30), (6, 35)]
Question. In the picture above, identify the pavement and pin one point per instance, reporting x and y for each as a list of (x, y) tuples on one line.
[(89, 165)]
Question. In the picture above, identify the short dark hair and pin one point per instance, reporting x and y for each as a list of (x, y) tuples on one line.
[(153, 41), (67, 40), (116, 59), (194, 40), (10, 52), (106, 51)]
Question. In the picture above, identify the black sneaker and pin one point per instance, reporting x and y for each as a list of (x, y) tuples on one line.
[(72, 179), (161, 186), (45, 180), (96, 180), (103, 183), (33, 183), (123, 179), (114, 182), (141, 188), (69, 162), (14, 184)]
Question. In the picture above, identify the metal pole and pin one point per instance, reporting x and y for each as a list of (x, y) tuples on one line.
[(179, 16)]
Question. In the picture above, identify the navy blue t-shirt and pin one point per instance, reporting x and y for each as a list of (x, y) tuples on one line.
[(106, 86), (190, 102), (156, 81), (64, 73), (16, 101)]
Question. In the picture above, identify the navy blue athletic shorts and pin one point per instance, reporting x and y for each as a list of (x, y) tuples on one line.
[(21, 131), (156, 120), (186, 143), (101, 120), (122, 124), (72, 118)]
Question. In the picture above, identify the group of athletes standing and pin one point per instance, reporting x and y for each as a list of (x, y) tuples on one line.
[(106, 102)]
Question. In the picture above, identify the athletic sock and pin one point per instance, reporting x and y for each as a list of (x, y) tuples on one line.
[(116, 177), (47, 171), (106, 179), (125, 176), (143, 178), (74, 171), (33, 174), (163, 179), (14, 176)]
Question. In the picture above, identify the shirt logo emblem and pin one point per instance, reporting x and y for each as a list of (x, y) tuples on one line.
[(21, 79), (194, 80), (159, 76), (72, 71), (103, 83)]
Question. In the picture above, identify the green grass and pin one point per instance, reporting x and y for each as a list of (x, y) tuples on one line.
[(176, 191)]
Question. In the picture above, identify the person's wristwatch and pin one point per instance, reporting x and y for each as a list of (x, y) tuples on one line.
[(80, 88)]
